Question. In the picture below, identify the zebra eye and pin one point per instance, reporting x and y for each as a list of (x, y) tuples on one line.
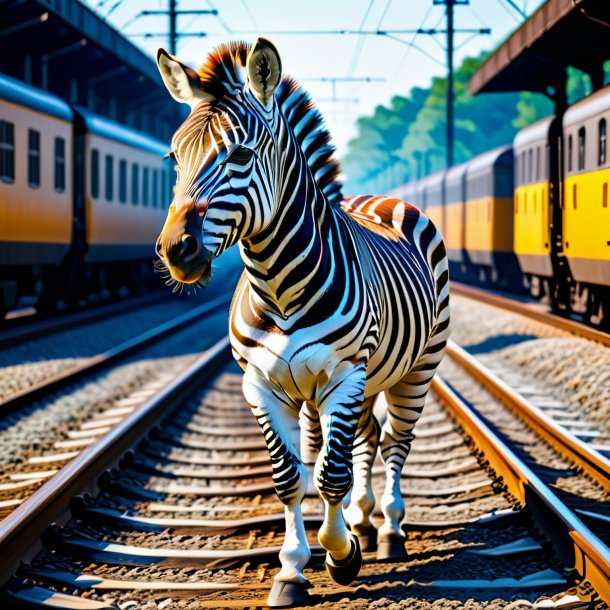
[(238, 154)]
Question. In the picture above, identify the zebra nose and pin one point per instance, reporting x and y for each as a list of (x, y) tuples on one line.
[(190, 245)]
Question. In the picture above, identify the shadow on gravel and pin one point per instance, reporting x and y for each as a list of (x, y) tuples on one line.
[(498, 342)]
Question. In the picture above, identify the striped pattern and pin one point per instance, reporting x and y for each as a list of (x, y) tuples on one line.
[(340, 300)]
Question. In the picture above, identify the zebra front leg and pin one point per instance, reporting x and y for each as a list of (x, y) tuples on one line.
[(277, 419), (311, 442), (362, 500), (340, 411)]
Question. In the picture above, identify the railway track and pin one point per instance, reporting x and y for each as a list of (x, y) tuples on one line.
[(175, 508), (535, 311), (14, 334), (38, 462)]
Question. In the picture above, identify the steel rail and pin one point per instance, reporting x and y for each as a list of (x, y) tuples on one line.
[(534, 311), (594, 464), (104, 359), (21, 530), (575, 544), (18, 333)]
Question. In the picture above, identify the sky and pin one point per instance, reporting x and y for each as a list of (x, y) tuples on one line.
[(397, 62)]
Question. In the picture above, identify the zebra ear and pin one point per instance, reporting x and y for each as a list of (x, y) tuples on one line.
[(182, 82), (264, 68)]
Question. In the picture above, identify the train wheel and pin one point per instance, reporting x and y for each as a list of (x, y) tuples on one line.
[(595, 306)]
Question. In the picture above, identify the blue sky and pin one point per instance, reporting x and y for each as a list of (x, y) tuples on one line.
[(312, 56)]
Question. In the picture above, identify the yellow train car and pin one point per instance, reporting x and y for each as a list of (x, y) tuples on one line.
[(35, 175), (586, 207), (455, 199), (489, 216), (36, 186), (433, 189), (532, 199), (126, 191), (404, 192)]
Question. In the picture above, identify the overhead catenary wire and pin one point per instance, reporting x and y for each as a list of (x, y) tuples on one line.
[(508, 11), (222, 22), (360, 42), (411, 43), (514, 5), (249, 13)]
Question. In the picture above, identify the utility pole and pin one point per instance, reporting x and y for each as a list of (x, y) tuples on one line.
[(450, 96), (173, 18), (450, 31), (173, 13)]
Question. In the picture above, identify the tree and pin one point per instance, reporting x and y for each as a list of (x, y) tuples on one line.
[(409, 135)]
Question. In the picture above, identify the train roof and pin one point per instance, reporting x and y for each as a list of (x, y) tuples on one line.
[(33, 98), (534, 133), (592, 105), (106, 128), (456, 173), (433, 180), (498, 157)]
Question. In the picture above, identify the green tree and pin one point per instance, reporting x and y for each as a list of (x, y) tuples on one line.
[(407, 139)]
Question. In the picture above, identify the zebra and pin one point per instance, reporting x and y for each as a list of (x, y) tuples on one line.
[(340, 299)]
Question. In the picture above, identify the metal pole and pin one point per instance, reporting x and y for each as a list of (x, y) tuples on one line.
[(449, 145), (173, 17)]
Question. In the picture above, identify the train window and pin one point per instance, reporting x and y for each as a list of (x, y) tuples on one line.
[(155, 191), (537, 177), (570, 153), (123, 181), (530, 166), (135, 179), (109, 176), (145, 185), (33, 158), (581, 148), (60, 165), (601, 144), (95, 173), (7, 152)]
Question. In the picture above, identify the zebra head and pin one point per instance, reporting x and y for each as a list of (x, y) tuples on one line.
[(225, 155)]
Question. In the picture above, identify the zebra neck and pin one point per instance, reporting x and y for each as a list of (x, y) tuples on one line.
[(289, 263)]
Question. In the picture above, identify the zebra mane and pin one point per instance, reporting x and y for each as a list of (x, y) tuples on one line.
[(224, 71)]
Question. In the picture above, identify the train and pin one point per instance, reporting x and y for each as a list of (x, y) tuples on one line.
[(533, 216), (82, 201)]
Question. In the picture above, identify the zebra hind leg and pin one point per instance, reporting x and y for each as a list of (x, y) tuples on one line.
[(361, 498), (405, 403), (277, 421)]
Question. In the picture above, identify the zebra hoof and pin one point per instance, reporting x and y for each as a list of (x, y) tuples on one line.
[(287, 594), (367, 539), (392, 548), (345, 571)]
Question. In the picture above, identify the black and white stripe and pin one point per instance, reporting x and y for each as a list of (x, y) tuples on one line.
[(340, 300)]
